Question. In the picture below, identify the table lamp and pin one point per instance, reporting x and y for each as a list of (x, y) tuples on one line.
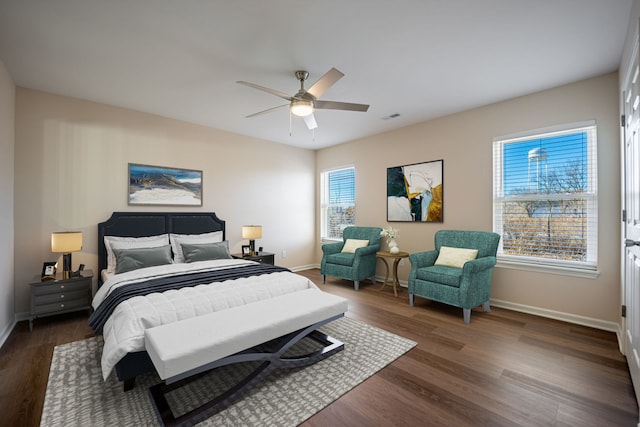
[(252, 232), (66, 242)]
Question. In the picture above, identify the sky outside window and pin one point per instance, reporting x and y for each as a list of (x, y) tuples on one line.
[(525, 170)]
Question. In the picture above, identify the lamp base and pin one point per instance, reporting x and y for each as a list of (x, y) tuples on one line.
[(66, 265), (252, 247)]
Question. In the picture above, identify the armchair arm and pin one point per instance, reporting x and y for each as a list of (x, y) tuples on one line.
[(332, 248), (419, 260), (367, 250), (477, 265), (364, 260), (423, 259), (475, 283)]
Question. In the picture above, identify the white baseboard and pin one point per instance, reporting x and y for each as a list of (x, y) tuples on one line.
[(621, 345), (304, 267), (6, 332), (566, 317), (537, 311), (22, 316)]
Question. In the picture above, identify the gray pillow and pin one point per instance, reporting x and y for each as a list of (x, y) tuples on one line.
[(205, 251), (133, 259)]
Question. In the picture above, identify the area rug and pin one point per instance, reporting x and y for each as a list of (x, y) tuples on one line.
[(77, 396)]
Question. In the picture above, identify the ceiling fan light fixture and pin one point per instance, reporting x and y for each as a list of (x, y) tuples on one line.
[(301, 107)]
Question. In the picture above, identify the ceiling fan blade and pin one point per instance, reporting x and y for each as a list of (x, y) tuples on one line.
[(310, 121), (325, 82), (266, 89), (269, 110), (335, 105)]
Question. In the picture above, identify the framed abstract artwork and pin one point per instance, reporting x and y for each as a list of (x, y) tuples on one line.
[(414, 192), (158, 185)]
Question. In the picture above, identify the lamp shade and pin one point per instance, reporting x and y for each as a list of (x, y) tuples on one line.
[(251, 232), (66, 241)]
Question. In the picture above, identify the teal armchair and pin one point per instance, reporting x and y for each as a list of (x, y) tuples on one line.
[(465, 287), (360, 264)]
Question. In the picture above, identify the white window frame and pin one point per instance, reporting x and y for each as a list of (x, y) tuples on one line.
[(324, 200), (587, 268)]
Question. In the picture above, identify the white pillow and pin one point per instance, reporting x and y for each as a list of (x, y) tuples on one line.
[(178, 239), (455, 257), (351, 245), (113, 242)]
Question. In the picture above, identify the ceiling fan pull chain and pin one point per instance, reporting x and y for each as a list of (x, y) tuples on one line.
[(290, 126)]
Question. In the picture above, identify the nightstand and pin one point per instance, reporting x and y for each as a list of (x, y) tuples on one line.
[(59, 296), (261, 257)]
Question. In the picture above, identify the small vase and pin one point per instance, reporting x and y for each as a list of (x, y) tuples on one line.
[(393, 246)]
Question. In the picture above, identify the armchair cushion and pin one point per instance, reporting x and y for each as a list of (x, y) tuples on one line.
[(351, 245), (449, 276), (455, 257), (341, 258)]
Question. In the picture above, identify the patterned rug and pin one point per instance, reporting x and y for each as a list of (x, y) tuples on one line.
[(77, 396)]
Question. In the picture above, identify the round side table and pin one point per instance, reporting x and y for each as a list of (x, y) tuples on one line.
[(385, 257)]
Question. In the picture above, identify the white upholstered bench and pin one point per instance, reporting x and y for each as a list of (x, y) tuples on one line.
[(183, 349)]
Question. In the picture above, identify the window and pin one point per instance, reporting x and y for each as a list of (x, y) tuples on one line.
[(338, 201), (545, 198)]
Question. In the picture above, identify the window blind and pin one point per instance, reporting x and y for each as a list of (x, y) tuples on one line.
[(341, 187), (338, 201), (545, 196)]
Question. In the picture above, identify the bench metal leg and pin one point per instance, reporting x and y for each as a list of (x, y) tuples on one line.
[(466, 314), (486, 307), (356, 285), (271, 361)]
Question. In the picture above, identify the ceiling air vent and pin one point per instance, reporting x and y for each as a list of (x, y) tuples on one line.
[(392, 116)]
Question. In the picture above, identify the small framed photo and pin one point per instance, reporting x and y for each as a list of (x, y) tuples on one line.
[(49, 270), (246, 250)]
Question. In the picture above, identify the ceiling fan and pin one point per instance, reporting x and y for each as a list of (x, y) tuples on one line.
[(305, 102)]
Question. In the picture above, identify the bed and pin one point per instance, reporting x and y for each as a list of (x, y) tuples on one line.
[(262, 282)]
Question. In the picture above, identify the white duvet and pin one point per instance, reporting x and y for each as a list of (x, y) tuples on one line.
[(124, 330)]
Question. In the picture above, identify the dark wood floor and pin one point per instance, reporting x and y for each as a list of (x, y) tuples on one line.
[(504, 369)]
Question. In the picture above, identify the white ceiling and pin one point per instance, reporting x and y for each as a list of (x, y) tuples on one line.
[(419, 58)]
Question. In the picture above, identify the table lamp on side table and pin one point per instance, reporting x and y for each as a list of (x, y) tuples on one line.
[(66, 242), (252, 232)]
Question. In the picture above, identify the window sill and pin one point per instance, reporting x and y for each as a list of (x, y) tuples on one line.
[(329, 240), (550, 269)]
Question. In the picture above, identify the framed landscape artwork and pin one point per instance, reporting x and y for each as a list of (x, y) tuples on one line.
[(414, 192), (157, 185)]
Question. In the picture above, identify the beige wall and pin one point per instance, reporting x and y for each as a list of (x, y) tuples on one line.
[(7, 113), (71, 169), (464, 141), (71, 161)]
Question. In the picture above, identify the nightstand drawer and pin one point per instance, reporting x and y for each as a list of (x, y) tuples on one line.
[(56, 287), (60, 297), (59, 306), (261, 257), (266, 259)]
